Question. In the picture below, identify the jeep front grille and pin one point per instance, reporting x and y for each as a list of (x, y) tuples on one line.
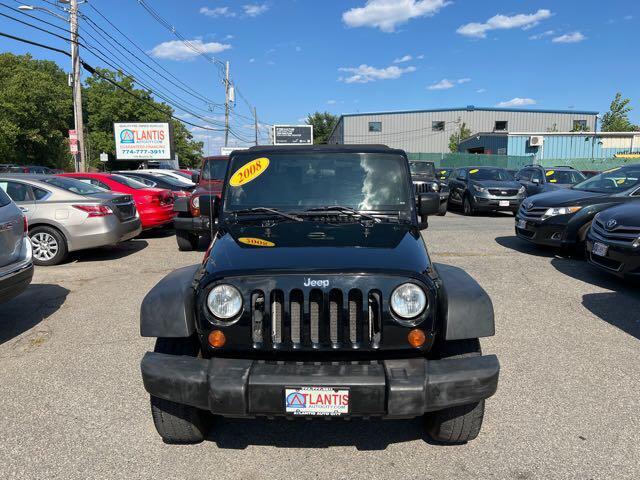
[(337, 319)]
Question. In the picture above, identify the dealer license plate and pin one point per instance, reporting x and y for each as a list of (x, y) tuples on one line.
[(522, 224), (600, 249), (316, 401), (504, 203)]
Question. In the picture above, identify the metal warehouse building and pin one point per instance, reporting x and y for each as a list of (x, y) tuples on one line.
[(429, 130), (556, 145)]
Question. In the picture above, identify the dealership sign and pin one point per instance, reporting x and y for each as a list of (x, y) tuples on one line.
[(143, 141), (293, 135)]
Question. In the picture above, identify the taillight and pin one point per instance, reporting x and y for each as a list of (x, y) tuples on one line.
[(95, 210), (151, 199), (25, 222)]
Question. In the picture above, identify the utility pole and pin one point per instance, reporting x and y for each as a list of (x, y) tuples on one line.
[(76, 83), (226, 107), (255, 121)]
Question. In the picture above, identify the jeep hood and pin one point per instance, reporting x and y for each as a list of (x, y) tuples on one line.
[(305, 247)]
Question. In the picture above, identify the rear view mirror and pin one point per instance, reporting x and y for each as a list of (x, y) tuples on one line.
[(195, 177), (209, 206), (535, 181), (428, 204)]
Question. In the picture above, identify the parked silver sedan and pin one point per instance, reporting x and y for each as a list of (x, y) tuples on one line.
[(66, 215)]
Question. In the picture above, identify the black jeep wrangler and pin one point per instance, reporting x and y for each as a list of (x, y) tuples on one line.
[(316, 298)]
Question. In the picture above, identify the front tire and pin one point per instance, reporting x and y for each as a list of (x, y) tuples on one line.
[(460, 424), (177, 423), (187, 241), (49, 246), (443, 209)]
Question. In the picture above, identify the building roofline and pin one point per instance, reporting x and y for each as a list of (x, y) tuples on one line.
[(471, 108), (549, 134)]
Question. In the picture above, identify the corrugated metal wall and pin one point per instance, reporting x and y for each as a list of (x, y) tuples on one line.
[(412, 131), (571, 146)]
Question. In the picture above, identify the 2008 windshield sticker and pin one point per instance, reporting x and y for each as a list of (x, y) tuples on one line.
[(256, 242), (249, 171)]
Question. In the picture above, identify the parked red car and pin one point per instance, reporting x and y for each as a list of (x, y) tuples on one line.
[(155, 205)]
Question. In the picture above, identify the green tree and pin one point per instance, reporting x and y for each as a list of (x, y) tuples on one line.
[(323, 123), (35, 111), (617, 118), (105, 103), (457, 136)]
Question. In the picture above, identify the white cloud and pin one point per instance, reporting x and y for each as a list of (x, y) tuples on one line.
[(573, 37), (517, 102), (538, 36), (481, 90), (251, 60), (229, 37), (463, 80), (628, 17), (387, 14), (253, 10), (298, 49), (406, 58), (504, 22), (331, 102), (420, 57), (365, 73), (178, 50), (217, 12), (443, 84)]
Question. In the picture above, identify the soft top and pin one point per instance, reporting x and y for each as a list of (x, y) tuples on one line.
[(264, 149)]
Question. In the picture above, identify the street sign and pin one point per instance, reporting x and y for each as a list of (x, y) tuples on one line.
[(143, 141), (73, 135), (104, 157), (73, 148), (226, 151), (293, 135)]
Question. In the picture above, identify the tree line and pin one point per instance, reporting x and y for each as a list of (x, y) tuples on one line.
[(37, 112)]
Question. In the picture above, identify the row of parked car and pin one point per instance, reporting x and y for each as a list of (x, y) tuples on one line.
[(597, 215)]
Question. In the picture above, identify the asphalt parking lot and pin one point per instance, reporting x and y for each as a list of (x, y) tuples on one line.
[(567, 406)]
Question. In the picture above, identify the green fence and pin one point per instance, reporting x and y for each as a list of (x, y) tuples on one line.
[(456, 160)]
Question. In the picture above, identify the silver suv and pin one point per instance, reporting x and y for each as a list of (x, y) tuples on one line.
[(16, 265), (66, 215)]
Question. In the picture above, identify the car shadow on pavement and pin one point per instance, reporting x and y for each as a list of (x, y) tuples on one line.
[(522, 246), (111, 252), (620, 307), (28, 309), (364, 435), (157, 233)]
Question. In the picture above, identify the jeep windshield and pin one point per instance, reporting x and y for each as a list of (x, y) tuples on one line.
[(214, 170), (297, 183), (612, 181), (422, 168)]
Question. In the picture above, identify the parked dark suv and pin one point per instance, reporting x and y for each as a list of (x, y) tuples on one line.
[(613, 242), (477, 189), (318, 298), (538, 179), (562, 218), (424, 178)]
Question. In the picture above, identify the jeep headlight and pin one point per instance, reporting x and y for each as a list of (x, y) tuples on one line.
[(224, 301), (555, 211), (195, 202), (408, 300), (435, 187), (479, 189)]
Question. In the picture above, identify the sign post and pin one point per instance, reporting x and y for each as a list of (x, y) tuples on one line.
[(293, 134)]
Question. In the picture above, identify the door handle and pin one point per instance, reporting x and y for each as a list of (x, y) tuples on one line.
[(23, 209)]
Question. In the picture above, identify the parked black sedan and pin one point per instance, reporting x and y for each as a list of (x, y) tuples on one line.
[(562, 218), (538, 179), (478, 189), (423, 176), (613, 242)]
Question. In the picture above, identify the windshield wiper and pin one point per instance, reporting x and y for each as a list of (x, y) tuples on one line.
[(342, 209), (266, 210)]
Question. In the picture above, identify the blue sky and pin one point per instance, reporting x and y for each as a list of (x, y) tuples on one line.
[(292, 57)]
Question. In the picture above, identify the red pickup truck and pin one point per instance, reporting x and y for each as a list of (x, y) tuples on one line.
[(189, 225)]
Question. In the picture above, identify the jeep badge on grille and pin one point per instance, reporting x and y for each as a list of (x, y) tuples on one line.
[(316, 283)]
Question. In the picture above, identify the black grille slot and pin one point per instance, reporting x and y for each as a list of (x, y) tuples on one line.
[(502, 192), (422, 187), (337, 319)]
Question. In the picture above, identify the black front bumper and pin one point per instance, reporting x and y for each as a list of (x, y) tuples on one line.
[(542, 233), (192, 224), (402, 388), (619, 260)]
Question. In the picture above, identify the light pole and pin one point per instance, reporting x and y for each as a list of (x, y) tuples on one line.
[(75, 72)]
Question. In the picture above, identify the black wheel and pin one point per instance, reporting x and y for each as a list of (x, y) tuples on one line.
[(49, 245), (456, 424), (467, 206), (177, 423), (443, 209), (187, 241)]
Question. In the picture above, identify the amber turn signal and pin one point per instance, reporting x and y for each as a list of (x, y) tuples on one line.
[(416, 338), (217, 339)]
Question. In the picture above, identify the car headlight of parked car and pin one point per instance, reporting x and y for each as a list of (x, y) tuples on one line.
[(521, 190), (408, 301), (479, 189), (555, 211), (224, 301)]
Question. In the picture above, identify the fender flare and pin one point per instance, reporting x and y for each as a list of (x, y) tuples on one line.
[(181, 205), (467, 310), (168, 309)]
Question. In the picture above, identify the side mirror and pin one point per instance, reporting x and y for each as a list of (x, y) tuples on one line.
[(209, 206), (535, 181), (428, 204), (195, 177)]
